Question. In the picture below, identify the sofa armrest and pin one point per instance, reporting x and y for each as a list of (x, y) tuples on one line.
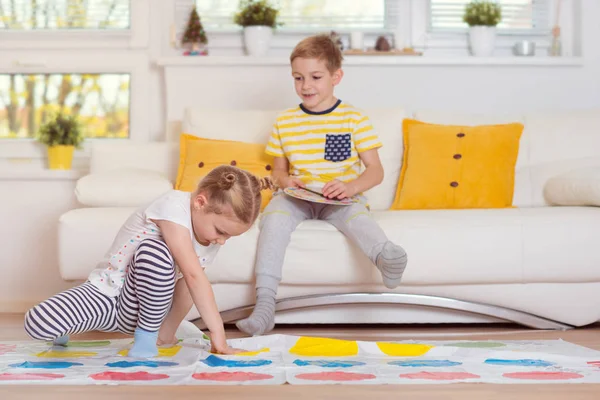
[(125, 187), (579, 187)]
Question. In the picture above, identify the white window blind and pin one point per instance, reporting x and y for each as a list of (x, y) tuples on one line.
[(518, 16), (303, 14), (64, 14)]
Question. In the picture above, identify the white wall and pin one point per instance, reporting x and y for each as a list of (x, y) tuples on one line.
[(29, 210)]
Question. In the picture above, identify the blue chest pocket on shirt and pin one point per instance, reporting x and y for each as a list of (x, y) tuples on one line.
[(338, 147)]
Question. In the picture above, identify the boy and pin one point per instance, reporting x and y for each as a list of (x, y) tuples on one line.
[(319, 144)]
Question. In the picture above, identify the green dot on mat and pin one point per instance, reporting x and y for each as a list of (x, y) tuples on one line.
[(476, 344), (96, 343), (205, 337)]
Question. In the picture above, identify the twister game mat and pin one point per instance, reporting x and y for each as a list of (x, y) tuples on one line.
[(280, 359)]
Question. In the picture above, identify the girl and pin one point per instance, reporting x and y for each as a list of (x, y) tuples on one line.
[(136, 288)]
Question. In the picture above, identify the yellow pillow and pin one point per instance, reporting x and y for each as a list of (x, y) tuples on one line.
[(198, 156), (457, 166)]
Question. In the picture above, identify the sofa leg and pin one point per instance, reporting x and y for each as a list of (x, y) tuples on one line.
[(302, 302)]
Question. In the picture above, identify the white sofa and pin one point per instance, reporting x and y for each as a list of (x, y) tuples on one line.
[(535, 264)]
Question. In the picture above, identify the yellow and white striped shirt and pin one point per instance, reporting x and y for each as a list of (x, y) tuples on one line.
[(323, 146)]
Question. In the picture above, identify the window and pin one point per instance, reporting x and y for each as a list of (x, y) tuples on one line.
[(518, 16), (101, 101), (64, 14), (303, 14)]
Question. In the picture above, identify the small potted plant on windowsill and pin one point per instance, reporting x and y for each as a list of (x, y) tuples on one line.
[(482, 18), (62, 134), (258, 18)]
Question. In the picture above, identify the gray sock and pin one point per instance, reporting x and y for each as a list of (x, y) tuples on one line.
[(391, 262), (262, 318)]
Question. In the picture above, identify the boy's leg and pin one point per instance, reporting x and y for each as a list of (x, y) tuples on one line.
[(146, 296), (357, 224), (278, 222), (80, 309)]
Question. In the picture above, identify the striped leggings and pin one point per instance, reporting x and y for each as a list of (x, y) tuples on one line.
[(144, 301)]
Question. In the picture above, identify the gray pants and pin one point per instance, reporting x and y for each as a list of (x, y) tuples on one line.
[(284, 213)]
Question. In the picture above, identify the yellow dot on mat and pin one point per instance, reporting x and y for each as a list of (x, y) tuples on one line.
[(65, 354), (253, 353), (162, 351), (403, 349), (324, 347)]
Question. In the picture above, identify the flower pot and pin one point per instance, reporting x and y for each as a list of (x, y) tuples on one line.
[(257, 39), (482, 40), (60, 157)]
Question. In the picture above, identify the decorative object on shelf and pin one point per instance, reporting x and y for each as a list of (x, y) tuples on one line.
[(482, 16), (337, 39), (62, 134), (382, 44), (524, 48), (407, 51), (258, 18), (357, 40), (555, 49), (195, 36)]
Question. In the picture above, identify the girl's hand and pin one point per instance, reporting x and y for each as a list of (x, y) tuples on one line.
[(338, 189), (167, 342), (218, 345)]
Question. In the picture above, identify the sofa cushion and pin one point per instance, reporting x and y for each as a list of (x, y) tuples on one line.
[(125, 187), (199, 156), (453, 166), (580, 187)]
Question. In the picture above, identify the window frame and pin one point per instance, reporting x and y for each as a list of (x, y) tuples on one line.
[(43, 52), (456, 42)]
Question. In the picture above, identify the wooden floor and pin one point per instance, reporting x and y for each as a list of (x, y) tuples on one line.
[(11, 329)]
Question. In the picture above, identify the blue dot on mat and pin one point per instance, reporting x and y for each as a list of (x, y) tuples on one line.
[(213, 361), (151, 364), (45, 364), (519, 363), (425, 363), (328, 363)]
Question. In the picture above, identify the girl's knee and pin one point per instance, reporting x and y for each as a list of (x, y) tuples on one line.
[(157, 250), (32, 325)]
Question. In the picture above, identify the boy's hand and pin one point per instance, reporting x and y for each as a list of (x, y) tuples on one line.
[(338, 189), (292, 181)]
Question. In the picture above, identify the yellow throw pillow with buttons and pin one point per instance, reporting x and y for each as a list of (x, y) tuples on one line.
[(198, 156), (447, 166)]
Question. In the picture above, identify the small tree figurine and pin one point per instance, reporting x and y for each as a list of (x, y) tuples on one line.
[(195, 34), (62, 135)]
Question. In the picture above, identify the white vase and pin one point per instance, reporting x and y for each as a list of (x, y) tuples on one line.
[(257, 39), (482, 40)]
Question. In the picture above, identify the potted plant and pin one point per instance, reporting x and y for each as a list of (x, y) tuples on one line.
[(482, 18), (258, 18), (62, 134)]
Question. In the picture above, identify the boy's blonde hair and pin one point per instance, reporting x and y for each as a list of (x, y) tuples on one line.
[(321, 47), (230, 186)]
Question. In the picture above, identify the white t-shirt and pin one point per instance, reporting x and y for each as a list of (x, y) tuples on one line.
[(174, 206)]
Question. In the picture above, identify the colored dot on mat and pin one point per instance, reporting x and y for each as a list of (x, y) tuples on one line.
[(519, 363), (337, 376), (7, 348), (150, 364), (324, 347), (65, 354), (88, 343), (231, 376), (29, 377), (162, 351), (543, 376), (328, 363), (214, 361), (127, 376), (253, 353), (440, 376), (594, 363), (476, 344), (44, 364), (403, 349), (425, 363)]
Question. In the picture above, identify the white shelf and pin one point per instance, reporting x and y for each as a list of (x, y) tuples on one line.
[(200, 61)]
